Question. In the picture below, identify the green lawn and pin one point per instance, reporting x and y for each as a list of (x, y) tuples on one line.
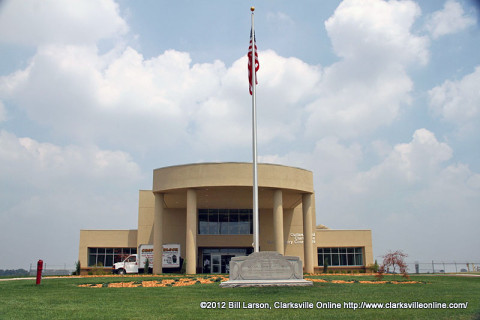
[(63, 299)]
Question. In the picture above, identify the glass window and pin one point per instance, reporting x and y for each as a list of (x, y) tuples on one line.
[(212, 221), (340, 256), (233, 223), (350, 259), (335, 260), (109, 260), (225, 221), (101, 260), (358, 260), (244, 223), (92, 259), (203, 223), (108, 256), (320, 259)]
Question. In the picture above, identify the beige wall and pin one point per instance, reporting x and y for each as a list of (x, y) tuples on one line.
[(231, 174), (105, 239), (146, 207), (227, 186), (328, 238), (175, 219)]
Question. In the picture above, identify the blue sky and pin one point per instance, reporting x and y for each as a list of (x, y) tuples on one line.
[(379, 99)]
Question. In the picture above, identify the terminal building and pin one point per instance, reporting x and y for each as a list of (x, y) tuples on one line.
[(207, 209)]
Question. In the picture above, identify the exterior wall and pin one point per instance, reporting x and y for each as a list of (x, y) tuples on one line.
[(326, 238), (106, 239), (228, 186), (146, 208), (175, 219), (231, 174)]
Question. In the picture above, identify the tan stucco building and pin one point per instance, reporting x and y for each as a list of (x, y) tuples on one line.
[(207, 209)]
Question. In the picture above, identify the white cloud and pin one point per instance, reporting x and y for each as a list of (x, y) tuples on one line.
[(458, 101), (46, 166), (376, 29), (40, 22), (121, 97), (3, 112), (410, 196), (366, 89), (49, 192), (409, 163), (451, 19), (280, 19)]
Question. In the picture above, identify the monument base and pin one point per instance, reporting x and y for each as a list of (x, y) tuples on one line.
[(265, 269)]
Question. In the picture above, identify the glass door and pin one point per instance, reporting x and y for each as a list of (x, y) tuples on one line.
[(226, 262), (216, 263)]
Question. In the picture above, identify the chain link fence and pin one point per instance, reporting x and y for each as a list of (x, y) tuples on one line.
[(52, 270), (442, 267)]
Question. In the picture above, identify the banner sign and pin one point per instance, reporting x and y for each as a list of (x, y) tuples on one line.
[(171, 256)]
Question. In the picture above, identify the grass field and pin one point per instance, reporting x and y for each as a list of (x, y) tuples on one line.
[(64, 299)]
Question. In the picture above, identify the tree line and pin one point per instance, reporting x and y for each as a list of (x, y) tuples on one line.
[(14, 272)]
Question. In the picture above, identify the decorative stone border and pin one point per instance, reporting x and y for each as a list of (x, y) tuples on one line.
[(189, 281)]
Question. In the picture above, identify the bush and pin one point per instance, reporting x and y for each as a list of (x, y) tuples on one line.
[(393, 260), (146, 266), (98, 270), (77, 268), (373, 267), (183, 270)]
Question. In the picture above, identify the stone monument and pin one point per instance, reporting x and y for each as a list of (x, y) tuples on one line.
[(266, 268)]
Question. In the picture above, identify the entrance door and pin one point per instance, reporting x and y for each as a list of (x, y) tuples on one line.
[(226, 262), (216, 263)]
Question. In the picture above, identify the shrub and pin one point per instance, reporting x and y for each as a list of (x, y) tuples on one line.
[(393, 260), (373, 267), (98, 269), (146, 266), (183, 270), (77, 268)]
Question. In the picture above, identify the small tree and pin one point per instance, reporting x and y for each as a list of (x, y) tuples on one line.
[(77, 268), (183, 269), (147, 266), (393, 260), (325, 266), (373, 267)]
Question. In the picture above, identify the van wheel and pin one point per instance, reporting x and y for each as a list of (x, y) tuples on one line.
[(121, 271)]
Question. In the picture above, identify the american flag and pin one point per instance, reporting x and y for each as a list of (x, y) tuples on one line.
[(257, 64)]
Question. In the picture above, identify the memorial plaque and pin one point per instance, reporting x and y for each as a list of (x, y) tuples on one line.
[(267, 268)]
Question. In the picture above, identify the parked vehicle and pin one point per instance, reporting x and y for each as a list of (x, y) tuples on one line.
[(135, 263)]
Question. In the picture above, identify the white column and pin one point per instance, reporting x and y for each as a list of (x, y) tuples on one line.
[(278, 221), (191, 240), (307, 232), (157, 233)]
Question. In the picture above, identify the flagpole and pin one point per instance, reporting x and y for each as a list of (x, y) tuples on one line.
[(254, 142)]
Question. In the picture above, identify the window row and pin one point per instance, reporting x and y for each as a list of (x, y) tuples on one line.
[(106, 257), (225, 221), (340, 256)]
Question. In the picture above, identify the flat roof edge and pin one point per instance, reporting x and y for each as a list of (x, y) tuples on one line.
[(230, 162), (343, 229)]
